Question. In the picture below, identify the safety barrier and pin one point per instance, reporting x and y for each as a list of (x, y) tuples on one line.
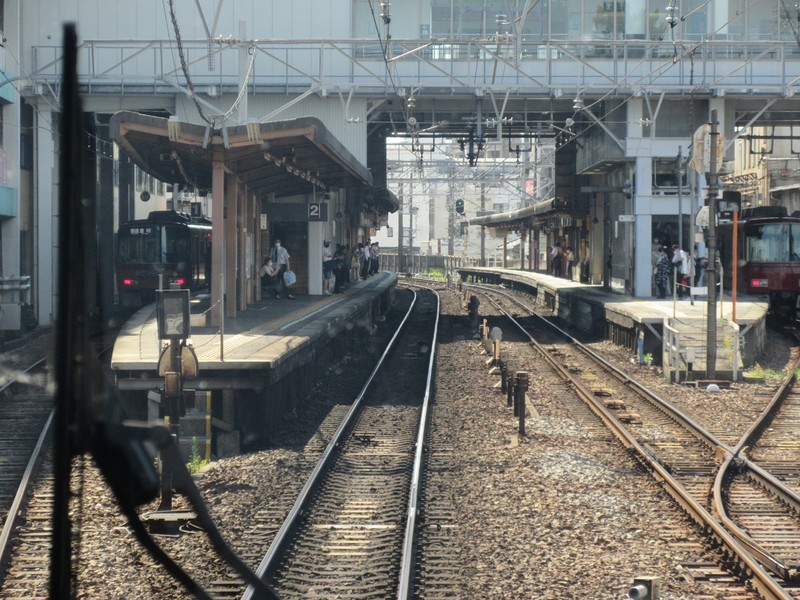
[(685, 348)]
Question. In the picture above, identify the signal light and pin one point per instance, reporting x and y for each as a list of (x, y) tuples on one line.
[(460, 206), (127, 282), (180, 281)]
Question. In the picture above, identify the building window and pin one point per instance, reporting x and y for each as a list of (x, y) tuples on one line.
[(679, 119)]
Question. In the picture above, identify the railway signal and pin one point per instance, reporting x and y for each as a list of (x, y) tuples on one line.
[(460, 206)]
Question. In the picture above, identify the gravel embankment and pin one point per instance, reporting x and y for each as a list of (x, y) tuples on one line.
[(561, 513)]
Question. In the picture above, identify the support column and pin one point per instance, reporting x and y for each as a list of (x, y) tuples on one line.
[(315, 239), (218, 239), (232, 202), (45, 195), (642, 230)]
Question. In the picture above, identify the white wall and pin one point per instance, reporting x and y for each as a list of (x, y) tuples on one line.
[(149, 19)]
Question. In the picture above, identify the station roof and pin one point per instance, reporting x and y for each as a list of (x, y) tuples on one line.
[(281, 157), (522, 218)]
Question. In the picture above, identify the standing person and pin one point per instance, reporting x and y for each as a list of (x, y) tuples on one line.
[(280, 257), (680, 263), (355, 261), (556, 259), (365, 260), (327, 267), (341, 269), (662, 273), (700, 261), (586, 275), (375, 259), (570, 262)]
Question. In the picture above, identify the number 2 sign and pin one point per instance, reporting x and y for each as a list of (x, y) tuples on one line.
[(318, 211)]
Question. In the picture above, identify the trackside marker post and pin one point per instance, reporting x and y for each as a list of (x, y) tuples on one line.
[(521, 389)]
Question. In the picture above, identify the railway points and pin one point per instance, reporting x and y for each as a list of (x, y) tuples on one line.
[(490, 486)]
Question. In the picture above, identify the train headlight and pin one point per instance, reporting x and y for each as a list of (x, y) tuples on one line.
[(759, 283)]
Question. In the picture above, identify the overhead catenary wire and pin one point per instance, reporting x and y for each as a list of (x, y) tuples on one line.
[(215, 120)]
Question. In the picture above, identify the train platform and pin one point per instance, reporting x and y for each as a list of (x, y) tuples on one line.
[(263, 339), (259, 363), (640, 324)]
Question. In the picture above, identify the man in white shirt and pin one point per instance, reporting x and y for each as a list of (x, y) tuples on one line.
[(681, 261), (280, 257)]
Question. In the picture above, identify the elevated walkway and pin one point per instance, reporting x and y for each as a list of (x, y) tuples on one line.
[(641, 324)]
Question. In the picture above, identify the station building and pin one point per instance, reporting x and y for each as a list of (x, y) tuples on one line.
[(276, 109)]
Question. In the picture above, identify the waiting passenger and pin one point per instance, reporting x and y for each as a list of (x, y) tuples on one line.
[(268, 272), (570, 262), (280, 256), (662, 273), (327, 267), (557, 260)]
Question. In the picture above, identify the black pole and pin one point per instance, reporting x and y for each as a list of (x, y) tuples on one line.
[(71, 281), (522, 388), (711, 269)]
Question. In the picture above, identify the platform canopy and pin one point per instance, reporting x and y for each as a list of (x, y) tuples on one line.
[(281, 157), (523, 218)]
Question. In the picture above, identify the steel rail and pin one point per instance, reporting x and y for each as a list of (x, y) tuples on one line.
[(761, 578), (17, 508), (720, 447), (738, 461), (315, 478), (405, 586)]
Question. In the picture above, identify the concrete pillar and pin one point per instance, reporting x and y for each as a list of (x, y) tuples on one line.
[(232, 204), (316, 232), (642, 231), (218, 275), (46, 212)]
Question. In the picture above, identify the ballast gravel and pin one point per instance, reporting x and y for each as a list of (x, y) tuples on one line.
[(563, 512)]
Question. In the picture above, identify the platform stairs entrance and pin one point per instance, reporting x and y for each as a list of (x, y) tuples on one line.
[(685, 350)]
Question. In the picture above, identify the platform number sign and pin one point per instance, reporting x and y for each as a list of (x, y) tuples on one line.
[(318, 211)]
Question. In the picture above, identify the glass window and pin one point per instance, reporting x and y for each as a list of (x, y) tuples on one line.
[(176, 244), (665, 176), (138, 245), (774, 242), (484, 18), (657, 26), (695, 25), (605, 19), (753, 19), (363, 22), (679, 119)]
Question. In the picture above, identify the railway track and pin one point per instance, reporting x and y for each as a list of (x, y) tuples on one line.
[(760, 537), (25, 413), (26, 484), (756, 492), (352, 530)]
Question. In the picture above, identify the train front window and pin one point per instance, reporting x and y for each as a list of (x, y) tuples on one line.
[(176, 244), (139, 245), (773, 242)]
